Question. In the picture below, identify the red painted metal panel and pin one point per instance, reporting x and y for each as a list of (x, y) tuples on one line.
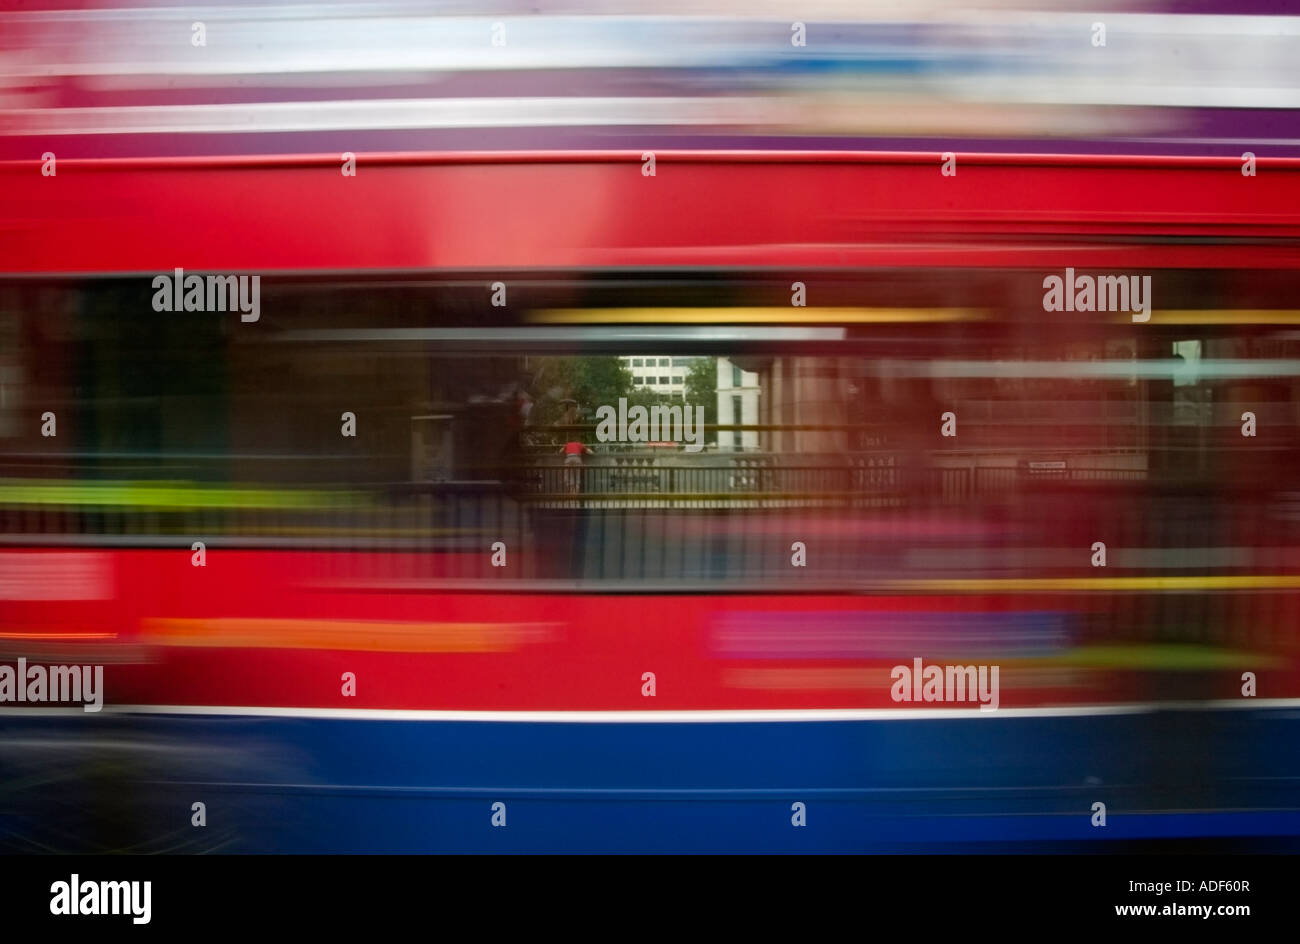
[(583, 210), (279, 628)]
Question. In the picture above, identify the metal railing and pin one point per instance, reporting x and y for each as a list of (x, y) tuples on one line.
[(862, 481), (449, 515)]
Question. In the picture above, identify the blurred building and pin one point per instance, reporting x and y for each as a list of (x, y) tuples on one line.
[(738, 404), (660, 374)]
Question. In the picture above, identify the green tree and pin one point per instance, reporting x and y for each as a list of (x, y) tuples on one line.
[(569, 389), (644, 396), (702, 392)]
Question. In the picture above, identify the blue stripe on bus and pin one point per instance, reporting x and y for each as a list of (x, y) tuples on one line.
[(329, 785)]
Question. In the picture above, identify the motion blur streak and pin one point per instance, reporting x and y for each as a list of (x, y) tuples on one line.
[(435, 76), (367, 636), (361, 568)]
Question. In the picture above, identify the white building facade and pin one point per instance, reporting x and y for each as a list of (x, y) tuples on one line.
[(660, 374), (738, 401)]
